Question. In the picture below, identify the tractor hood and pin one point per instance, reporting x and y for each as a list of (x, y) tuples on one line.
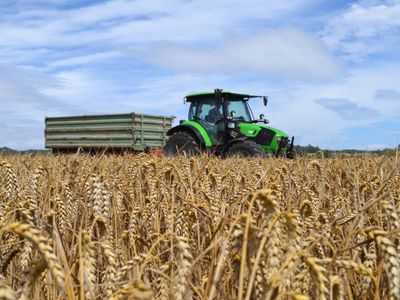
[(278, 132), (252, 130), (271, 139)]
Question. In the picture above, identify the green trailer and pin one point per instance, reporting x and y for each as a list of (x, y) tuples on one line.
[(117, 132)]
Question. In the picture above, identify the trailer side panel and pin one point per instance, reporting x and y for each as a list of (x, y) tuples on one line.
[(120, 131)]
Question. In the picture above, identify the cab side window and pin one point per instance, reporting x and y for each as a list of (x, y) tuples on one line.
[(210, 111), (204, 111), (192, 111)]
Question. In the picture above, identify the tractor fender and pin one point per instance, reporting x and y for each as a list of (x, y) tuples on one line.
[(189, 129), (234, 141)]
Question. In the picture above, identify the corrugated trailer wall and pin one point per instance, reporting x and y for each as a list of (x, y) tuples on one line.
[(122, 131)]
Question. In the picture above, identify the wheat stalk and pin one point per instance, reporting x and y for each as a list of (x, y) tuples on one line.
[(184, 258), (41, 244)]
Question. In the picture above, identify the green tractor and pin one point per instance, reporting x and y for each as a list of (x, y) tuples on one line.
[(222, 123)]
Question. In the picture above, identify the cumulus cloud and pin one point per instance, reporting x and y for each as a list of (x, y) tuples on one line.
[(23, 106), (286, 52), (20, 87), (367, 27), (129, 22), (347, 109)]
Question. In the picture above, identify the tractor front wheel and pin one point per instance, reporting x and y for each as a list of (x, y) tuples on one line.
[(181, 143), (246, 149)]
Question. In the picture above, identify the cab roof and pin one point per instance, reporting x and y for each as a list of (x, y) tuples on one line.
[(232, 96)]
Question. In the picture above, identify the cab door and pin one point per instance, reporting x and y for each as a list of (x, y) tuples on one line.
[(211, 116)]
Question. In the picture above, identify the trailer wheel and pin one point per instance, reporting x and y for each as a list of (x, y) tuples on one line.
[(246, 149), (182, 143)]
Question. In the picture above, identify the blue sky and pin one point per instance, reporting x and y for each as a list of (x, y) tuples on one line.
[(330, 68)]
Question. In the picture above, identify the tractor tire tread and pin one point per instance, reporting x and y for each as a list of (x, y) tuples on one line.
[(186, 140), (246, 148)]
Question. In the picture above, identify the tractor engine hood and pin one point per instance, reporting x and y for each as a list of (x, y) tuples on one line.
[(252, 130), (269, 137)]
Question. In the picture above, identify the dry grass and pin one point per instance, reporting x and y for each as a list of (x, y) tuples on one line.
[(140, 227)]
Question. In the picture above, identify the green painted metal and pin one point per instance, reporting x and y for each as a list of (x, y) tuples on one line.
[(252, 130), (197, 96), (249, 129), (120, 131), (207, 93), (202, 131)]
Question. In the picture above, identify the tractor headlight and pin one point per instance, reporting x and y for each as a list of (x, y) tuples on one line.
[(231, 125)]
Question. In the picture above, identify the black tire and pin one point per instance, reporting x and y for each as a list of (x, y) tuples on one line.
[(296, 152), (246, 149), (182, 143)]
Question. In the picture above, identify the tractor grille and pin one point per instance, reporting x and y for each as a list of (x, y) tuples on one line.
[(265, 137)]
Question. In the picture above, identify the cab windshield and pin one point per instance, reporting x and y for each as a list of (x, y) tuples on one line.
[(240, 108)]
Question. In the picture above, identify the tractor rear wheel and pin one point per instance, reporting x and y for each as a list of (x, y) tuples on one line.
[(246, 149), (182, 143)]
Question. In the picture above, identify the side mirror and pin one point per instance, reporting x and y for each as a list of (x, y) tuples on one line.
[(262, 116), (232, 113), (265, 100)]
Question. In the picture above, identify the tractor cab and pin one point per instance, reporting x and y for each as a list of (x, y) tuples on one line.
[(216, 113), (223, 122)]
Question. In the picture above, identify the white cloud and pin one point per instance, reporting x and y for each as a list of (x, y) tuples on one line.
[(347, 109), (85, 59), (91, 93), (23, 106), (47, 33), (366, 27), (286, 52), (301, 116), (387, 95), (134, 21)]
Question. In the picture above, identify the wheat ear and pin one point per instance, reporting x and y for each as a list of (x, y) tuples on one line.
[(369, 263), (29, 279), (87, 266), (6, 292), (184, 263), (111, 272), (42, 245), (133, 291), (318, 274), (391, 259)]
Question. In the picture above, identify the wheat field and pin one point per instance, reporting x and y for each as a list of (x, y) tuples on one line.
[(142, 227)]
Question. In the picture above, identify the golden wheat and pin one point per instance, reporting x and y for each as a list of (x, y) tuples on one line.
[(142, 227)]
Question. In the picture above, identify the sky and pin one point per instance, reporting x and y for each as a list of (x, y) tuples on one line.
[(331, 69)]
